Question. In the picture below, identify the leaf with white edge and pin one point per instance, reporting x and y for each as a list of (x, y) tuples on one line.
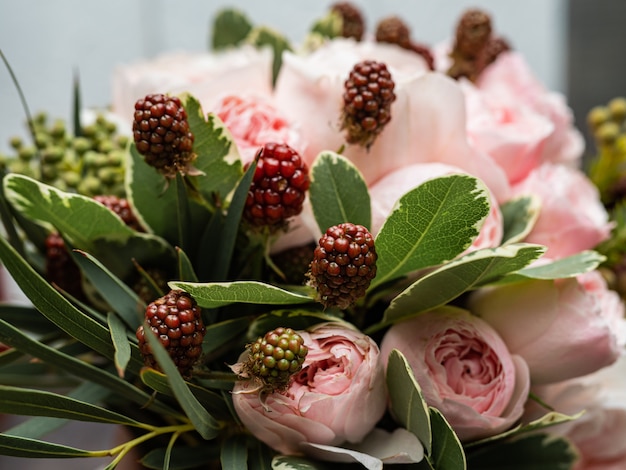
[(537, 451), (234, 453), (21, 401), (338, 192), (431, 224), (571, 266), (406, 400), (119, 336), (397, 447), (343, 455), (448, 282), (290, 462), (205, 424), (518, 217), (447, 452), (218, 294), (85, 223), (15, 446)]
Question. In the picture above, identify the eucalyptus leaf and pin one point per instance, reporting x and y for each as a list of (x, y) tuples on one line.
[(230, 28), (431, 224), (338, 192), (407, 403), (15, 446), (218, 294), (447, 451), (26, 318), (234, 453), (185, 267), (119, 336), (518, 218)]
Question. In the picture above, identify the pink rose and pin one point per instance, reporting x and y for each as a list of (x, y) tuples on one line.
[(206, 76), (386, 191), (428, 115), (338, 396), (464, 369), (254, 122), (572, 217), (563, 328)]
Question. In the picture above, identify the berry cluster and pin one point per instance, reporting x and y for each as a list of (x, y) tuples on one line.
[(161, 133), (278, 186), (175, 319), (352, 22), (344, 264), (367, 102), (122, 208)]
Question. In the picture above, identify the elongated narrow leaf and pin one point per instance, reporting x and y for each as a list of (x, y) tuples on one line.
[(182, 213), (431, 224), (26, 318), (119, 336), (519, 216), (16, 446), (260, 456), (338, 192), (447, 452), (234, 453), (218, 294), (407, 403), (185, 268), (457, 277), (204, 423), (182, 457), (219, 334), (126, 303), (21, 401)]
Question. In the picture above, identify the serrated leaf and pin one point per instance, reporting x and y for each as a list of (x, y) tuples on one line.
[(447, 452), (234, 453), (218, 294), (292, 318), (21, 401), (203, 422), (431, 224), (338, 192), (119, 336), (457, 277), (230, 28), (264, 36), (518, 218), (406, 400), (15, 446)]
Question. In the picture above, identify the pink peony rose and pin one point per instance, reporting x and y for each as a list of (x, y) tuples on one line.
[(428, 116), (464, 369), (338, 396), (572, 217), (254, 122), (206, 76), (386, 191), (564, 328)]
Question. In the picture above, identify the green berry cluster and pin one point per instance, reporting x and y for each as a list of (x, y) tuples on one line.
[(276, 357), (90, 164)]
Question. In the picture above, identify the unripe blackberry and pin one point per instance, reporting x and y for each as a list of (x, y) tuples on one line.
[(175, 319), (393, 30), (275, 358), (344, 264), (367, 102), (278, 186), (161, 133), (122, 208), (353, 24), (60, 268)]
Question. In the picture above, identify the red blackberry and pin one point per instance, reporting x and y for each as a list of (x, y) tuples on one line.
[(175, 319), (275, 358), (473, 33), (344, 263), (353, 24), (122, 208), (393, 30), (278, 187), (367, 102), (60, 268), (162, 134)]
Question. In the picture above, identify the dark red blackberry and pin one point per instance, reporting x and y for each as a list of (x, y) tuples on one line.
[(393, 30), (367, 102), (353, 24), (122, 208), (60, 268), (278, 187), (344, 264), (162, 134), (175, 319)]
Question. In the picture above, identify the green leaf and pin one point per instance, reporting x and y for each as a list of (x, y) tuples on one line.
[(119, 336), (21, 401), (218, 294), (230, 28), (26, 318), (264, 36), (182, 457), (219, 334), (15, 446), (85, 223), (431, 224), (571, 266), (234, 453), (536, 451), (338, 192), (204, 423), (185, 267), (447, 452), (518, 218), (182, 213), (260, 457), (298, 319), (457, 277), (289, 462), (406, 400)]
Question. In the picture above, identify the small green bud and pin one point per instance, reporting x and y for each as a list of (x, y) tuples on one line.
[(16, 142), (81, 145), (52, 155), (617, 108), (26, 153), (71, 178), (598, 116)]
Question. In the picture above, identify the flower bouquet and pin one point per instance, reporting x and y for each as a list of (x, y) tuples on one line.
[(359, 252)]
